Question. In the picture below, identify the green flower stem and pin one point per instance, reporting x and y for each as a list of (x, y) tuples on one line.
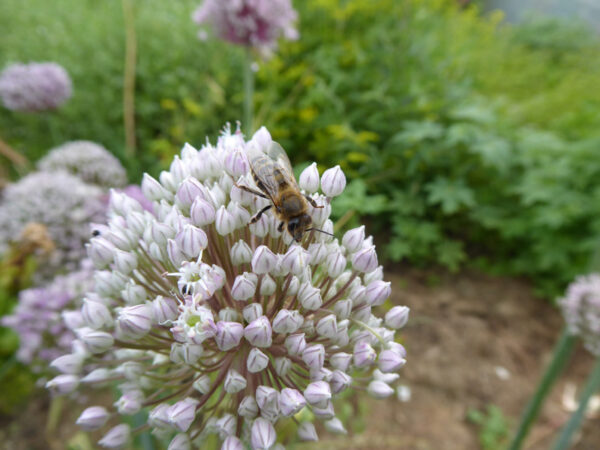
[(248, 94), (562, 353), (591, 387)]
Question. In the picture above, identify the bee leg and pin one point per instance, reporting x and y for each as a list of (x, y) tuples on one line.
[(256, 217), (312, 202), (280, 227), (252, 191)]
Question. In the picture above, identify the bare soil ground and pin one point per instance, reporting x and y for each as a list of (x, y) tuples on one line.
[(463, 328)]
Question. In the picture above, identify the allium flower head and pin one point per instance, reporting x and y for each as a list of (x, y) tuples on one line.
[(44, 314), (225, 328), (34, 87), (61, 202), (87, 160), (252, 23), (581, 310)]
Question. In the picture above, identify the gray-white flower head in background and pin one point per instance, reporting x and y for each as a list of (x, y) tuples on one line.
[(581, 310), (224, 328), (87, 160), (34, 87)]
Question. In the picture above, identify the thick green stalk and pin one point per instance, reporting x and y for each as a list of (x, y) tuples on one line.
[(562, 352), (592, 386), (129, 76), (248, 94)]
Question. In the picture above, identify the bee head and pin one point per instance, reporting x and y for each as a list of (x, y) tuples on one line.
[(298, 226)]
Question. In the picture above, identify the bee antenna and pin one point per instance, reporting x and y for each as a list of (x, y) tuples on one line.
[(321, 231)]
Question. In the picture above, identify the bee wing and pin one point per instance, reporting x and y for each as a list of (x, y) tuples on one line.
[(272, 169)]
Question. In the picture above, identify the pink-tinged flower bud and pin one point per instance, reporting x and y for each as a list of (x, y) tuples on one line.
[(70, 363), (379, 389), (234, 382), (310, 296), (125, 262), (343, 309), (291, 401), (324, 413), (241, 216), (248, 408), (335, 426), (256, 361), (378, 292), (121, 204), (261, 138), (307, 432), (133, 294), (340, 361), (259, 332), (296, 260), (202, 384), (159, 416), (97, 376), (314, 356), (179, 170), (229, 315), (362, 313), (73, 319), (264, 260), (240, 253), (295, 343), (100, 251), (262, 434), (390, 361), (287, 321), (354, 238), (327, 326), (116, 437), (232, 443), (376, 274), (318, 252), (267, 285), (333, 182), (318, 394), (95, 314), (93, 418), (168, 181), (320, 214), (175, 253), (182, 414), (97, 341), (322, 374), (165, 309), (261, 227), (153, 190), (135, 321), (218, 195), (385, 377), (192, 241), (224, 221), (364, 354), (236, 163), (130, 402), (267, 399), (340, 381), (327, 227), (244, 286), (398, 348), (63, 384), (188, 191), (181, 441), (160, 233), (309, 179), (365, 260), (397, 317), (252, 312), (202, 212), (226, 425), (229, 335), (282, 366)]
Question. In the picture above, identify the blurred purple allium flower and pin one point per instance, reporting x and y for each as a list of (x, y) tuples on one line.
[(87, 160), (214, 326), (581, 310), (61, 202), (34, 87), (39, 314), (251, 23)]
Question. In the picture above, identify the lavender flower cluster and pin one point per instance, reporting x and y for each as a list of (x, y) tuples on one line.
[(215, 326), (61, 202), (34, 87), (88, 161), (252, 23), (42, 313), (581, 310)]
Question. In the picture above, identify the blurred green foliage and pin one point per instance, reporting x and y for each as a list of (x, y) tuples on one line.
[(493, 427), (466, 140)]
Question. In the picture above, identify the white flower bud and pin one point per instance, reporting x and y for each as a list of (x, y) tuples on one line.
[(116, 437), (353, 239), (309, 179), (93, 418), (252, 312), (379, 389), (397, 317), (264, 260), (192, 241), (318, 251), (244, 286), (224, 221), (267, 285), (295, 343), (240, 253), (153, 190), (287, 321), (327, 326), (257, 361), (333, 182), (310, 296), (234, 382), (282, 366), (202, 384), (248, 407), (335, 426), (202, 212), (296, 260), (335, 263), (307, 432)]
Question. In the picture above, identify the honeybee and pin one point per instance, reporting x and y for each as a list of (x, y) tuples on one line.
[(273, 175)]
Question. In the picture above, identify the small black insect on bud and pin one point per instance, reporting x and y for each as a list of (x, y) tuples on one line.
[(184, 289), (96, 233)]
